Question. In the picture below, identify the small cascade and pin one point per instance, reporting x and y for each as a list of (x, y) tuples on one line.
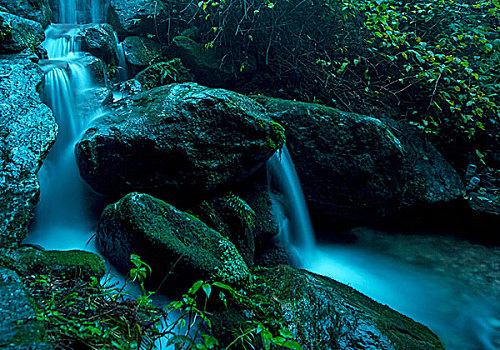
[(61, 42), (122, 63), (290, 208), (64, 218), (82, 11)]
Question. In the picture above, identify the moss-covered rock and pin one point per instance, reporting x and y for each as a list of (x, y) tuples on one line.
[(180, 248), (324, 314), (19, 327), (36, 10), (234, 218), (207, 64), (18, 34), (357, 168), (180, 141), (141, 52), (71, 263), (27, 131), (163, 73)]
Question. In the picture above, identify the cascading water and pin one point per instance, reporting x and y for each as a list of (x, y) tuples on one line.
[(64, 218), (459, 307), (291, 211)]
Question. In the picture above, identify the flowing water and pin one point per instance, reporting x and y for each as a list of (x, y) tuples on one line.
[(64, 218), (420, 276), (450, 285)]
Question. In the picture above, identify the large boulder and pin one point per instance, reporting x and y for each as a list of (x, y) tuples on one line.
[(19, 327), (18, 34), (27, 131), (163, 73), (180, 248), (180, 141), (140, 52), (36, 10), (324, 314), (357, 168), (100, 41), (137, 17)]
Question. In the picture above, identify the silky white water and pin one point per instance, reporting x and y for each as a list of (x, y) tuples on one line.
[(433, 279)]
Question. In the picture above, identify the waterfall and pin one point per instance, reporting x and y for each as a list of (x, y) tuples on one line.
[(290, 208), (122, 63), (64, 219)]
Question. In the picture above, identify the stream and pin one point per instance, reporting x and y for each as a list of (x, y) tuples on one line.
[(448, 284)]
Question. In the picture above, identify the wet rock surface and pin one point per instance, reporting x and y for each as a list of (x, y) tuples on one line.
[(19, 327), (100, 41), (27, 131), (36, 10), (325, 314), (359, 169), (180, 248), (18, 34), (180, 141)]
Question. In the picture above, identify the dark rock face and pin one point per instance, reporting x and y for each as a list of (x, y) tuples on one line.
[(325, 314), (137, 17), (18, 324), (140, 52), (100, 41), (36, 10), (18, 34), (182, 141), (180, 248), (357, 168), (163, 73), (27, 131)]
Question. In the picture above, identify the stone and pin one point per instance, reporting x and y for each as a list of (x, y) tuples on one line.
[(36, 10), (361, 169), (27, 131), (180, 142), (18, 34), (18, 324), (180, 248)]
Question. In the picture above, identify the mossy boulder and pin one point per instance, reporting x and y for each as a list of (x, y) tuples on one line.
[(100, 41), (18, 34), (72, 263), (36, 10), (233, 218), (27, 131), (180, 248), (181, 142), (140, 52), (207, 64), (163, 73), (324, 314), (138, 17), (359, 169), (19, 327)]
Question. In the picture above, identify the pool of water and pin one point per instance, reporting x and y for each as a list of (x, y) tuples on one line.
[(448, 284)]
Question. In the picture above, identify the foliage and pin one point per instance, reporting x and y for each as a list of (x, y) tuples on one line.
[(437, 57), (434, 62), (95, 314), (257, 331)]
